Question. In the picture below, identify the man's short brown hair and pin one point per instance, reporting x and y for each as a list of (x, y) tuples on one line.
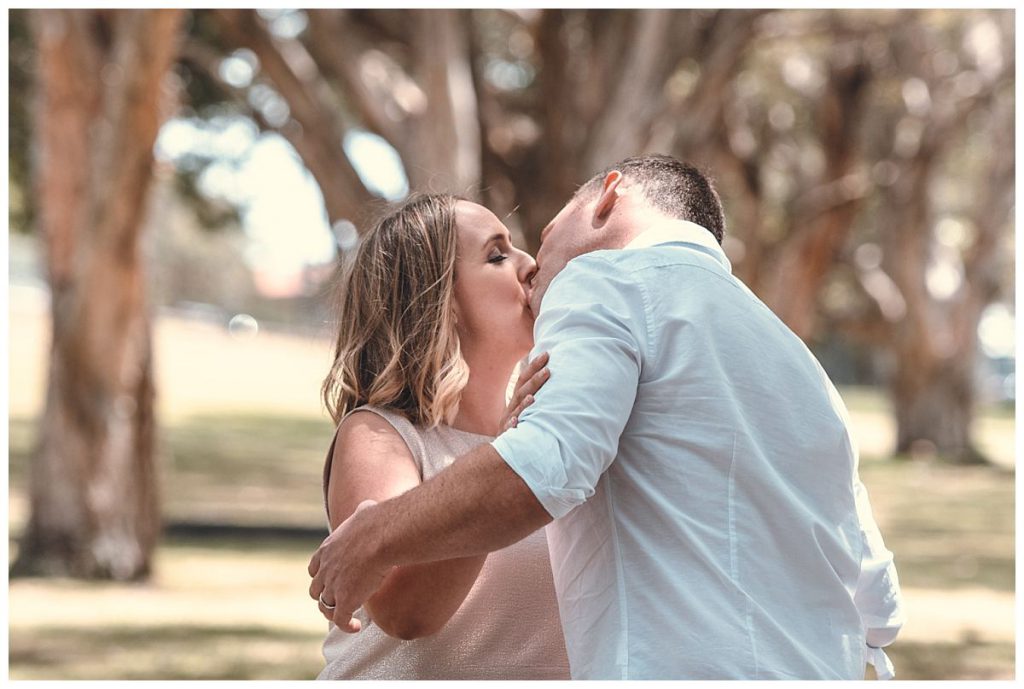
[(675, 188)]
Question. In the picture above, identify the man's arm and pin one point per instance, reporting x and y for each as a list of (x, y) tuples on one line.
[(593, 325), (878, 596), (475, 506)]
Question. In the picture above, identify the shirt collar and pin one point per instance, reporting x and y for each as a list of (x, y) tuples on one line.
[(681, 231)]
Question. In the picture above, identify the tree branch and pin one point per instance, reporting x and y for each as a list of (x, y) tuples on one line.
[(345, 196), (332, 42)]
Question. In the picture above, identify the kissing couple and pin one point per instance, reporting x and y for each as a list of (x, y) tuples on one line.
[(670, 492)]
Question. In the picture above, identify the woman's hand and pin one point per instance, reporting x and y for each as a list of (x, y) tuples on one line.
[(530, 381)]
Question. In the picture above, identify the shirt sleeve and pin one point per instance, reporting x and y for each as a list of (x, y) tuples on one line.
[(878, 597), (593, 325)]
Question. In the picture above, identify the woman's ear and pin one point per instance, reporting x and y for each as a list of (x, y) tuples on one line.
[(609, 195)]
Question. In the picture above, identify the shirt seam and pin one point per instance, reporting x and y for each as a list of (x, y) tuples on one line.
[(648, 331), (733, 556), (620, 571), (620, 576), (644, 302), (673, 264), (728, 279)]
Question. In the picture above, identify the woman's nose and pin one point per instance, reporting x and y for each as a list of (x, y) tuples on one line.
[(527, 266)]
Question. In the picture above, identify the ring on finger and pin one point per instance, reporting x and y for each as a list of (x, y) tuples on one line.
[(324, 603)]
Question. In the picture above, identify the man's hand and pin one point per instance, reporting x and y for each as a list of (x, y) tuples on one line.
[(344, 571)]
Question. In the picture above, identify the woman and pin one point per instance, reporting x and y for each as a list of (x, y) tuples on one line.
[(435, 317)]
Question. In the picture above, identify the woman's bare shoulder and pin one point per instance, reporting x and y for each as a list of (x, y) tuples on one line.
[(371, 461), (366, 430)]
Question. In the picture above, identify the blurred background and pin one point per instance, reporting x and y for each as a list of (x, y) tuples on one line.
[(182, 184)]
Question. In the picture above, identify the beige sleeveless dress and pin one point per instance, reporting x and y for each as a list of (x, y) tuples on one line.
[(508, 626)]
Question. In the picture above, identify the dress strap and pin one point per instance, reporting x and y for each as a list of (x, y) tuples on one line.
[(409, 433)]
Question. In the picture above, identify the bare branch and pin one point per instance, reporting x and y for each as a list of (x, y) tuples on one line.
[(320, 144), (334, 44)]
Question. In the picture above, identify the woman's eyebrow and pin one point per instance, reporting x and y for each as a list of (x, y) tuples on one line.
[(494, 238)]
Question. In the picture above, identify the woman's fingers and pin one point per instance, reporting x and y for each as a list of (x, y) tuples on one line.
[(531, 369), (530, 380), (527, 401), (531, 386), (512, 420)]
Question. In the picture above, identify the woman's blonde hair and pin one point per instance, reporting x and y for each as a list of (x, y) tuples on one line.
[(397, 345)]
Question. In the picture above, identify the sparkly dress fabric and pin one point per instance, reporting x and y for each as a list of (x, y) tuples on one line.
[(507, 627)]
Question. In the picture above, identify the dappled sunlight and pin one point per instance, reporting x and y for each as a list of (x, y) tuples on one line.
[(210, 612)]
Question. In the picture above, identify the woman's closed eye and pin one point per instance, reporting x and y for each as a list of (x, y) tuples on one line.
[(497, 258)]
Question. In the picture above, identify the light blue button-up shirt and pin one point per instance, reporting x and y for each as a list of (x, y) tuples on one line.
[(709, 519)]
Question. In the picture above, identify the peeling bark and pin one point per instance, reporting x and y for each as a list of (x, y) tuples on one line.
[(94, 495)]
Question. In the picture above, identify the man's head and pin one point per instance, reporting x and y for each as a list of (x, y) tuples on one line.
[(619, 203)]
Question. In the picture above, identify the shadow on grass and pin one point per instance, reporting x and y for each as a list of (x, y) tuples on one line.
[(186, 652), (21, 438), (223, 468), (969, 659), (252, 446), (949, 527), (222, 446), (231, 538), (167, 652)]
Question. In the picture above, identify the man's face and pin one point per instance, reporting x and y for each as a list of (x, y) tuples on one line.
[(561, 241)]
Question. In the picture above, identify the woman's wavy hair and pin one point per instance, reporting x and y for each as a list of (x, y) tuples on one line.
[(397, 345)]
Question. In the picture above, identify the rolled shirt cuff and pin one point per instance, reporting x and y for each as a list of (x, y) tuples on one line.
[(880, 661), (536, 456)]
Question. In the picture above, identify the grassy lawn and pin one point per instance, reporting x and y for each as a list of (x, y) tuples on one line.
[(243, 453), (213, 610)]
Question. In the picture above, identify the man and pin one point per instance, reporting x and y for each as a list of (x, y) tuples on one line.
[(709, 522)]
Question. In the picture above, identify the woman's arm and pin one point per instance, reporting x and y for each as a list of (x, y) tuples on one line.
[(372, 462)]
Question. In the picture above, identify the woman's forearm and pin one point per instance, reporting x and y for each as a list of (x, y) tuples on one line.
[(417, 600)]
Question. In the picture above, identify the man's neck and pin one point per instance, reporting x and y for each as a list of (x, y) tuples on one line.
[(628, 224), (643, 222)]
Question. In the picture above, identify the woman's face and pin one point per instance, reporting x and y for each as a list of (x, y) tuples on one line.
[(492, 278)]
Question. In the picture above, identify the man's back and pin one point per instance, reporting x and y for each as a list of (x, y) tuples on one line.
[(719, 536)]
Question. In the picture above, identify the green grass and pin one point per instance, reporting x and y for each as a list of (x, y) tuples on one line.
[(949, 527), (216, 609), (167, 652), (246, 468), (963, 658), (233, 468)]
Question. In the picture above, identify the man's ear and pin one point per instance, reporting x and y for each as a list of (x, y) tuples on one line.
[(609, 195)]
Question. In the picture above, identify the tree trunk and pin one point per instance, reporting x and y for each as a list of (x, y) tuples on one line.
[(94, 504), (936, 342), (934, 408), (823, 218)]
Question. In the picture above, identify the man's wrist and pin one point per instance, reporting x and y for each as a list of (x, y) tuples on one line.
[(370, 534)]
